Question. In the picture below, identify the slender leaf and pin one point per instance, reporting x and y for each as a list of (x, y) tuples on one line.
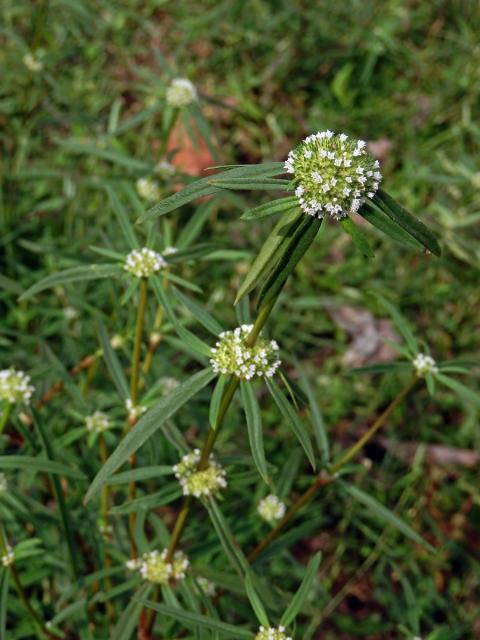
[(199, 313), (317, 419), (143, 473), (405, 219), (382, 222), (112, 362), (256, 603), (400, 322), (254, 426), (270, 208), (127, 622), (296, 424), (386, 515), (31, 463), (299, 598), (463, 391), (148, 424), (75, 274), (358, 237), (216, 400), (227, 540), (122, 217), (252, 184), (4, 584)]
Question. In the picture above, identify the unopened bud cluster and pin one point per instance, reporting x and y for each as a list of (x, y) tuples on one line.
[(148, 189), (154, 566), (143, 263), (134, 412), (8, 557), (15, 386), (271, 508), (181, 93), (272, 633), (97, 422), (424, 364), (204, 483), (232, 355), (332, 174)]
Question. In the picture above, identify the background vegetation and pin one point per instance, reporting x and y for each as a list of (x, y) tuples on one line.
[(403, 75)]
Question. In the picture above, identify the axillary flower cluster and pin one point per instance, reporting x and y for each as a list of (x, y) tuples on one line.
[(232, 354), (15, 387), (143, 263), (206, 482), (424, 364), (272, 633), (98, 422), (271, 508), (154, 566), (332, 174), (181, 93)]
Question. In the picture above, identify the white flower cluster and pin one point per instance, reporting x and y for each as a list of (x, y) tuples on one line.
[(3, 483), (165, 169), (15, 386), (154, 566), (271, 508), (181, 93), (148, 189), (207, 482), (207, 586), (424, 364), (169, 251), (8, 558), (97, 422), (134, 412), (32, 62), (232, 355), (143, 263), (272, 634), (332, 174)]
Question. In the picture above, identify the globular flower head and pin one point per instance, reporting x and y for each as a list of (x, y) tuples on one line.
[(165, 169), (195, 483), (424, 364), (32, 62), (271, 508), (15, 386), (332, 174), (272, 633), (181, 93), (8, 557), (154, 566), (3, 483), (97, 422), (143, 263), (232, 355), (207, 586), (148, 189)]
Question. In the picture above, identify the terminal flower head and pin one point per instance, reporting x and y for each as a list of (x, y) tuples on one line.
[(272, 633), (232, 355), (98, 422), (154, 566), (148, 189), (181, 93), (32, 62), (203, 483), (332, 174), (271, 508), (15, 387), (424, 364), (143, 263)]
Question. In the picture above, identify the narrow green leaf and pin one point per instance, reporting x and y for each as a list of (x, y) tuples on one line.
[(256, 603), (383, 367), (463, 391), (128, 621), (299, 598), (252, 184), (200, 313), (75, 274), (254, 426), (193, 228), (149, 501), (148, 424), (358, 237), (216, 400), (386, 515), (295, 249), (296, 424), (227, 540), (191, 620), (31, 463), (269, 254), (382, 222), (4, 584), (270, 208), (405, 219), (318, 424), (400, 322), (112, 362), (143, 473), (122, 217), (106, 154)]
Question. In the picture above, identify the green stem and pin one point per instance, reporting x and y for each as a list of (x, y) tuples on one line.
[(226, 401), (167, 132), (324, 478), (5, 415)]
